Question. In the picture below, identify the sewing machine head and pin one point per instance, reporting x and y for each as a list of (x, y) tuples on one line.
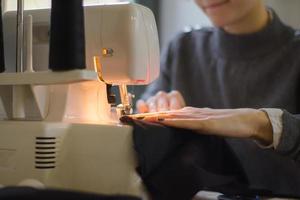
[(121, 49), (58, 129)]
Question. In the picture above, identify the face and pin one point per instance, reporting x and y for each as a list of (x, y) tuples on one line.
[(225, 12)]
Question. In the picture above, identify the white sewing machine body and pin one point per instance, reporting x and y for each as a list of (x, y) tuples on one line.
[(58, 129), (128, 29), (77, 157)]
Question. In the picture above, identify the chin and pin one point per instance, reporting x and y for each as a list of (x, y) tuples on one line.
[(219, 22)]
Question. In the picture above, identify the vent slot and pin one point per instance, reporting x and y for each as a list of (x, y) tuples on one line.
[(45, 152), (44, 143), (43, 148)]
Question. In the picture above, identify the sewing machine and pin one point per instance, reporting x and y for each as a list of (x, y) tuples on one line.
[(59, 129)]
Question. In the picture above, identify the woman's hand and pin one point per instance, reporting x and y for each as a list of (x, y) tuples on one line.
[(238, 123), (162, 101)]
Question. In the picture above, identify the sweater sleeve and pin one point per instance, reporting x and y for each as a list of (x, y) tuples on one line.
[(163, 83), (289, 144)]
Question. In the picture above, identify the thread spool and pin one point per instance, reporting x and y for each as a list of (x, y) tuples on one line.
[(67, 38), (2, 59)]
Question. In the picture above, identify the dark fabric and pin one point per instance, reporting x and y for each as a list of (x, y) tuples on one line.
[(67, 39), (268, 172), (145, 143), (24, 193), (176, 164), (214, 69), (289, 144), (2, 61)]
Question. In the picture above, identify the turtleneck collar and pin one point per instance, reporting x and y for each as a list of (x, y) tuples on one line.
[(271, 37)]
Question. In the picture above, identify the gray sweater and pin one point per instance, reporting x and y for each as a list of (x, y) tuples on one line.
[(212, 68)]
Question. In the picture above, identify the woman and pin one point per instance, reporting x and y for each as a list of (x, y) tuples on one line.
[(241, 78)]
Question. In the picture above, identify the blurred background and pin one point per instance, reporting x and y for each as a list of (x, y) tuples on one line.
[(174, 16), (178, 15)]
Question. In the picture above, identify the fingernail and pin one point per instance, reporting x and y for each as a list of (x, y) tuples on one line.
[(160, 119)]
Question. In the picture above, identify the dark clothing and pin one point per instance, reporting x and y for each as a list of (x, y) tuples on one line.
[(26, 193), (212, 68), (175, 164)]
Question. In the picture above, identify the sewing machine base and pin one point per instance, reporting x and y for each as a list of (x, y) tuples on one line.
[(79, 157)]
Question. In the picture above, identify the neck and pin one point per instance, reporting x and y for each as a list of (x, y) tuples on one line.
[(253, 22)]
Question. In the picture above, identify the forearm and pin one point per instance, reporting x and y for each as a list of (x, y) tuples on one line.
[(275, 118), (264, 134)]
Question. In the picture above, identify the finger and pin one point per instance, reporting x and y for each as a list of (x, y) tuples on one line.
[(161, 116), (176, 100), (142, 106), (142, 116), (154, 116), (152, 104), (162, 101)]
